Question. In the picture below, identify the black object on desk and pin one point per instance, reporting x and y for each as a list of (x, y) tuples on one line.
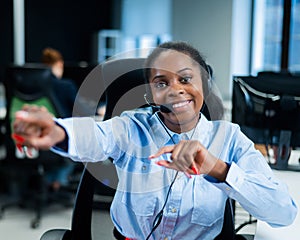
[(267, 108)]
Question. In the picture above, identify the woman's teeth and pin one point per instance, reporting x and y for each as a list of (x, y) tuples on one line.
[(181, 104)]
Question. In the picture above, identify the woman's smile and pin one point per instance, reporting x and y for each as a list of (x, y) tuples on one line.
[(181, 106)]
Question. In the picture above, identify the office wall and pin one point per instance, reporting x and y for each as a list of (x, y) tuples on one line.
[(144, 23), (67, 25), (144, 17), (6, 27), (209, 26)]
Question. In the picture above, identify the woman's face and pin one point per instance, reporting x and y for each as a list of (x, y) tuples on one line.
[(175, 80), (58, 69)]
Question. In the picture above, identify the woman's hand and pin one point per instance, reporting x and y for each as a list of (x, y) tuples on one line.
[(191, 157), (34, 127)]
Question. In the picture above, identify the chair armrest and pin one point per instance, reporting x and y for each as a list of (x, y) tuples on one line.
[(244, 237), (57, 234)]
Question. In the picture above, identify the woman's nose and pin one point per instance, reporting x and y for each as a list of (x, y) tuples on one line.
[(176, 88)]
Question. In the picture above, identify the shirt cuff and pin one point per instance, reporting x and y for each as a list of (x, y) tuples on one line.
[(233, 181), (235, 176), (64, 144)]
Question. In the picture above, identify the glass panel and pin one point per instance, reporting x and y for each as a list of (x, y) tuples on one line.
[(267, 35), (294, 50)]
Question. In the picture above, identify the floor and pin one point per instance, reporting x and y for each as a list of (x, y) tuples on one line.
[(15, 224)]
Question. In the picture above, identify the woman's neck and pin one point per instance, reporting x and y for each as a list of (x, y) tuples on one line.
[(181, 127)]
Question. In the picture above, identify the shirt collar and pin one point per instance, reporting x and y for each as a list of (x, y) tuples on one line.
[(158, 130)]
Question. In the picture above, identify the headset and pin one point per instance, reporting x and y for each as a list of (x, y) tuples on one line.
[(166, 108), (209, 70)]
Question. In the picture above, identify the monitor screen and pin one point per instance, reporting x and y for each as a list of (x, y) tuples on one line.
[(267, 107)]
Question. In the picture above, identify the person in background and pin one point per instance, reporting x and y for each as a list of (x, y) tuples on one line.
[(65, 88), (176, 166), (66, 91), (54, 59)]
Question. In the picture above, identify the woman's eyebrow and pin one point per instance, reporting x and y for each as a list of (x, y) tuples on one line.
[(184, 69), (178, 72), (157, 76)]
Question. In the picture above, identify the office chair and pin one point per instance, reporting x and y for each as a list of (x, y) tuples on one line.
[(31, 84), (125, 89)]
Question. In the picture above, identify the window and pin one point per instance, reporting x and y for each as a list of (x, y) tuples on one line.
[(294, 49), (267, 35), (276, 36)]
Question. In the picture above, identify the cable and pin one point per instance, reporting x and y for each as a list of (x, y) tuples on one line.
[(159, 216)]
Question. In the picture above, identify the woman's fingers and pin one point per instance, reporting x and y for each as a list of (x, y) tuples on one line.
[(33, 127), (182, 157), (168, 164), (194, 169), (163, 150)]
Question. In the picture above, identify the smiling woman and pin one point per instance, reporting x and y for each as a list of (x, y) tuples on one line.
[(180, 86), (176, 168)]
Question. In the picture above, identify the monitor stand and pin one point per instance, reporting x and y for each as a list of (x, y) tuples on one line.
[(283, 152)]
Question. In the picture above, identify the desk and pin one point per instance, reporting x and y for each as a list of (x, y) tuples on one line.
[(292, 232)]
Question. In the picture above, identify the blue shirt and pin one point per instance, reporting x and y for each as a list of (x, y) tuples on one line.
[(195, 206)]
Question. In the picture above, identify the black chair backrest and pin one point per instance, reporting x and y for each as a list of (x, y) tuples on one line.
[(29, 84), (228, 228), (125, 85)]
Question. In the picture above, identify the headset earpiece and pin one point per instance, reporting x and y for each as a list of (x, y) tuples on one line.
[(210, 76), (146, 99)]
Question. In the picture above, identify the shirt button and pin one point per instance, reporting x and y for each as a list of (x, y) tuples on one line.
[(144, 168), (227, 188), (173, 210)]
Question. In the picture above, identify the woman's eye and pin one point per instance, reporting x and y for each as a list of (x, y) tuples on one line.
[(160, 84), (186, 79)]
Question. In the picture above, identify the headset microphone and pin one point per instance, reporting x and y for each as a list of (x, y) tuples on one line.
[(163, 108)]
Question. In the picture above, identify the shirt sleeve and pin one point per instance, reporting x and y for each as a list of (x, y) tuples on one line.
[(90, 141), (251, 182)]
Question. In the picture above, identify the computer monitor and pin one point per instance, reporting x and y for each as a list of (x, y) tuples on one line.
[(267, 108)]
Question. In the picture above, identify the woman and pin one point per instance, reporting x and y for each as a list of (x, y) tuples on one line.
[(175, 167), (54, 59)]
